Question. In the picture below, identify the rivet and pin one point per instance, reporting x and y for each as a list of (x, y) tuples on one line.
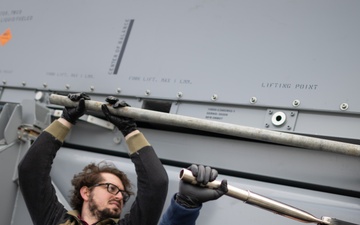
[(344, 106), (179, 94), (117, 140), (24, 83), (147, 92), (296, 103), (253, 100), (45, 85), (67, 86), (92, 88), (118, 90), (214, 97), (4, 81)]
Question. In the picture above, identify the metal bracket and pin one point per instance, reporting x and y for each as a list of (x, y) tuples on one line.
[(90, 119), (281, 120)]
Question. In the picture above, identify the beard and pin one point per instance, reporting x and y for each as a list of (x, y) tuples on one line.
[(102, 214)]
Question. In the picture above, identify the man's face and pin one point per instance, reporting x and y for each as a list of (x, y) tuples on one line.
[(103, 204)]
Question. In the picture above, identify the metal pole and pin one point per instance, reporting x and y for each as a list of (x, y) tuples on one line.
[(257, 200), (219, 127)]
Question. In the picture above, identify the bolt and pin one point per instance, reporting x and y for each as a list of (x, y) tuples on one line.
[(45, 85), (270, 112), (253, 100), (267, 125), (214, 97), (67, 86), (147, 92), (117, 140), (118, 90), (292, 114), (4, 81), (344, 106), (24, 83), (179, 94), (92, 88), (39, 96), (296, 103), (289, 127)]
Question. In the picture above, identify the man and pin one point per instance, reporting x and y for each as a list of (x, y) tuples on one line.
[(100, 190)]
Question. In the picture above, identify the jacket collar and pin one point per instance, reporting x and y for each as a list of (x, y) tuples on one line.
[(76, 215)]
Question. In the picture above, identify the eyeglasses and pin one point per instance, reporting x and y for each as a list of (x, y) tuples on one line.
[(113, 189)]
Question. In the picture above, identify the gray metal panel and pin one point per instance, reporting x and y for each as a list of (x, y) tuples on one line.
[(21, 214), (276, 161), (338, 125), (8, 162), (277, 51), (5, 115)]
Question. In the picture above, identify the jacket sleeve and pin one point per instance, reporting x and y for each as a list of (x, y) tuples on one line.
[(176, 214), (34, 176), (152, 183)]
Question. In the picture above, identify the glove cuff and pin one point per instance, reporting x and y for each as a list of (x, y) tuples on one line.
[(186, 201)]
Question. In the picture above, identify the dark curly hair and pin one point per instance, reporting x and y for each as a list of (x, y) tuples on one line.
[(91, 175)]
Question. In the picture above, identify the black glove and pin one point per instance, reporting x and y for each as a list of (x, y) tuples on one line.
[(124, 124), (72, 114), (192, 196)]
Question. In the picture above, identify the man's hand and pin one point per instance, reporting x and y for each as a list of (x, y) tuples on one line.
[(192, 196), (72, 114), (124, 124)]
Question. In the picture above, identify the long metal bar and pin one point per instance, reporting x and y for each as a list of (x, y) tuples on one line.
[(219, 127), (258, 200)]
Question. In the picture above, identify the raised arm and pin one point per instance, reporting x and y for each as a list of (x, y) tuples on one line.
[(34, 169), (152, 179)]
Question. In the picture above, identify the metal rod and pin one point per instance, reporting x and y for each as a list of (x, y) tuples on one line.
[(219, 127), (258, 200)]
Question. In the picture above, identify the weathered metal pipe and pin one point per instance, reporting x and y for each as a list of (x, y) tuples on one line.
[(219, 127), (258, 200)]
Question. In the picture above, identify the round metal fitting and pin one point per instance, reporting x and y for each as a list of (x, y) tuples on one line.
[(344, 106), (67, 86), (39, 96), (117, 140), (92, 88), (118, 90), (147, 92), (214, 97), (45, 85), (253, 100), (4, 81), (278, 119), (179, 94), (296, 103)]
